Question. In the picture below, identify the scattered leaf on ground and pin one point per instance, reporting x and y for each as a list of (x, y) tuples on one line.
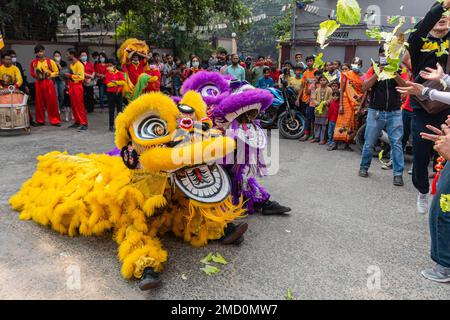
[(219, 259), (207, 259), (289, 295), (210, 270)]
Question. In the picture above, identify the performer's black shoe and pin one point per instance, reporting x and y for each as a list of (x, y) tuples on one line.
[(273, 208), (239, 241), (33, 124), (74, 126), (57, 125), (234, 234), (150, 280), (38, 124)]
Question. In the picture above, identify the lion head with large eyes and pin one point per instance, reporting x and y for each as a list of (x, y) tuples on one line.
[(158, 136)]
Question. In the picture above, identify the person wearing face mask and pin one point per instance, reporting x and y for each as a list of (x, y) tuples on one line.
[(9, 73), (213, 62), (75, 78), (24, 87), (384, 112), (195, 67), (89, 81), (115, 82), (43, 70), (100, 73), (60, 83), (351, 99)]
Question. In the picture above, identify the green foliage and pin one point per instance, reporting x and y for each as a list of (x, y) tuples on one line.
[(348, 12), (158, 22)]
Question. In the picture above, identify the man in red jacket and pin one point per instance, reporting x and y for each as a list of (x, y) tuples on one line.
[(44, 70)]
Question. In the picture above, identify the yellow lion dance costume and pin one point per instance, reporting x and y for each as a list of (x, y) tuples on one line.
[(93, 195)]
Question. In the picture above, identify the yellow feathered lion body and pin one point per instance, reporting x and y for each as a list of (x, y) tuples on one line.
[(94, 195)]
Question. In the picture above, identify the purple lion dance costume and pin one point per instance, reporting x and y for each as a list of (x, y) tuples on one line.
[(233, 106)]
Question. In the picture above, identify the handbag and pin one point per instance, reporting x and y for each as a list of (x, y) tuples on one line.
[(434, 107)]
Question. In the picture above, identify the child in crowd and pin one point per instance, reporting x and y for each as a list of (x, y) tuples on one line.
[(335, 86), (305, 97), (296, 82), (311, 86), (266, 81), (333, 112), (178, 78), (322, 99)]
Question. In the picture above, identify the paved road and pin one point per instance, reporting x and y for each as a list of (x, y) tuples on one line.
[(341, 225)]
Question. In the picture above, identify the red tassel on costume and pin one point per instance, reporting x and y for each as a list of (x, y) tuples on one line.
[(439, 167), (434, 185)]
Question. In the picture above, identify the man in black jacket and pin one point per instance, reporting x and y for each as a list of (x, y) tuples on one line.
[(424, 44), (384, 111)]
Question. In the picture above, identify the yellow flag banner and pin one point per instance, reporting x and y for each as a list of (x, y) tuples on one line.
[(2, 43)]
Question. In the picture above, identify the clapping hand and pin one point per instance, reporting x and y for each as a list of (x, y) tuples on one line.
[(433, 74), (415, 89), (441, 138)]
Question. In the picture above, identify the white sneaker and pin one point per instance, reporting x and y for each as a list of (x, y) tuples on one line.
[(422, 203)]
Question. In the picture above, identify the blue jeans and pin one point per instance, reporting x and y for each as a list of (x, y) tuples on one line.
[(60, 86), (101, 94), (440, 223), (376, 121), (331, 128)]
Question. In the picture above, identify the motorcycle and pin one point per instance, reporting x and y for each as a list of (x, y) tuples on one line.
[(283, 114)]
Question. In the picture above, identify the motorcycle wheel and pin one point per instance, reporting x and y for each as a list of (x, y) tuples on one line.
[(379, 146), (291, 128)]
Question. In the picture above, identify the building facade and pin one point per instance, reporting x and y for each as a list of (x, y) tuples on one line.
[(349, 41)]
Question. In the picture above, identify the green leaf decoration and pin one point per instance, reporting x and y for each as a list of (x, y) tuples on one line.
[(374, 33), (348, 12), (320, 108), (207, 259), (327, 28), (319, 63), (394, 19), (289, 295), (219, 259), (410, 31), (210, 270)]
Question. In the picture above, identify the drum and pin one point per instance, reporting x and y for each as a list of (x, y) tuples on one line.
[(14, 113)]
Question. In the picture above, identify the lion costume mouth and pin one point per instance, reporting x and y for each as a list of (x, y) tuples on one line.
[(204, 183)]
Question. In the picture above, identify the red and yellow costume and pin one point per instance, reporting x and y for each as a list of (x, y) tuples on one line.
[(44, 70), (10, 76), (76, 93)]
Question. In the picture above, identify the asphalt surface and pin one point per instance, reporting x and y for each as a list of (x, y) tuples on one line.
[(344, 232)]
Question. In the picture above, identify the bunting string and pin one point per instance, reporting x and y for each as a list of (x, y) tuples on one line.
[(331, 13)]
